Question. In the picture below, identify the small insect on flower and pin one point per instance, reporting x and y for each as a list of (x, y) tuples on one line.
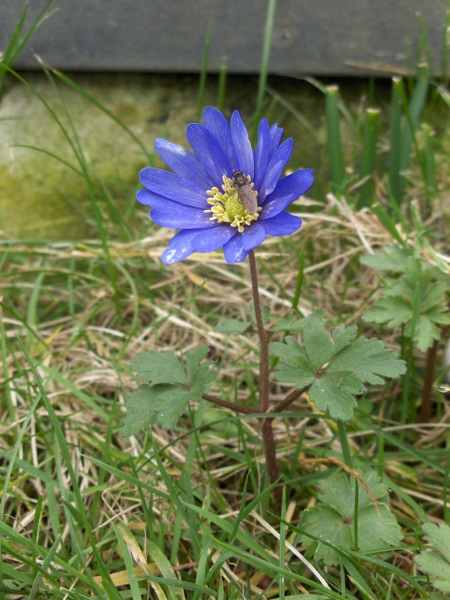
[(223, 193), (245, 192)]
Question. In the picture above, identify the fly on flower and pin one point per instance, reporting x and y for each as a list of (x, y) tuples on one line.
[(224, 194), (245, 192)]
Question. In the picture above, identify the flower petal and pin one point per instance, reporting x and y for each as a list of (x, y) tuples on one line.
[(174, 187), (282, 224), (242, 145), (161, 203), (216, 123), (276, 133), (273, 207), (179, 247), (213, 239), (234, 250), (183, 163), (253, 236), (209, 152), (296, 184), (275, 168), (170, 214), (148, 198), (261, 154), (178, 199)]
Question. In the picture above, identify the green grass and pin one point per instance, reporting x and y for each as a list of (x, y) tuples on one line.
[(188, 513), (19, 39)]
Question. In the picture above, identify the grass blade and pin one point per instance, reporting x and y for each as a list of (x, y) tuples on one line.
[(387, 223), (204, 72), (369, 154), (222, 84), (263, 74), (429, 171), (334, 142), (16, 44), (395, 154)]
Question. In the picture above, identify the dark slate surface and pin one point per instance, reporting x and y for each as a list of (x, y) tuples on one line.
[(340, 37)]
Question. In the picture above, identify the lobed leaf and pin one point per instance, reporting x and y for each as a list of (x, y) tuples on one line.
[(392, 311), (425, 332), (171, 388), (326, 524), (391, 258), (291, 351), (335, 392), (439, 538), (437, 564), (417, 299), (333, 519), (139, 414), (232, 326), (159, 367), (369, 361), (318, 343), (335, 366)]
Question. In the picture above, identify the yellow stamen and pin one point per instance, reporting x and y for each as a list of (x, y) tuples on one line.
[(227, 208)]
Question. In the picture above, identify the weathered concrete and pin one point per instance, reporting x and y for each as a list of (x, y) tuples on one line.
[(42, 197)]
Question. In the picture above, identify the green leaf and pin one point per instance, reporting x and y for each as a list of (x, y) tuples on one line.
[(301, 375), (336, 366), (291, 351), (392, 311), (165, 402), (159, 367), (437, 564), (343, 336), (296, 368), (194, 359), (324, 523), (424, 333), (417, 299), (377, 532), (369, 361), (232, 326), (139, 415), (171, 404), (334, 392), (318, 343), (333, 519), (337, 489), (391, 258), (290, 323), (154, 404), (439, 538), (433, 299), (437, 567), (200, 373)]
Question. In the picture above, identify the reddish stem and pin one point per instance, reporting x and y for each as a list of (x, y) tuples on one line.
[(230, 405), (267, 430)]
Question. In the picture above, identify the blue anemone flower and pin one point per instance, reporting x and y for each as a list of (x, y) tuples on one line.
[(201, 196)]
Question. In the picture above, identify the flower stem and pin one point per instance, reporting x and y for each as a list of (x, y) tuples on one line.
[(267, 430), (290, 398), (263, 339), (225, 404)]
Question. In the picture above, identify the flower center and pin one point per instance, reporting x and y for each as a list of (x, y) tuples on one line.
[(226, 207)]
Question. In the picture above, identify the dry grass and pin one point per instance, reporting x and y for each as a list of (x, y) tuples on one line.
[(81, 329)]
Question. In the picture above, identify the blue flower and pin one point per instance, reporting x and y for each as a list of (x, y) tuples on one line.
[(202, 197)]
